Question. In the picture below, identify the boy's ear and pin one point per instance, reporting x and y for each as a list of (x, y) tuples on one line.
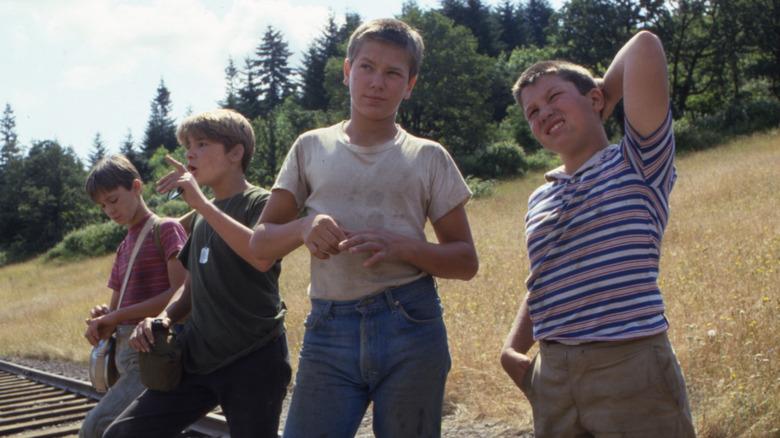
[(347, 69), (236, 154), (596, 97), (137, 186), (409, 87)]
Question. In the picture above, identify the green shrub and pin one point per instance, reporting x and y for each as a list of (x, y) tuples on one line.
[(504, 159), (174, 208), (543, 160), (480, 188), (690, 136), (90, 241), (695, 132)]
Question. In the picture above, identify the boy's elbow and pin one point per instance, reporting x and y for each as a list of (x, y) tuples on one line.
[(471, 269), (649, 41), (256, 244), (264, 265)]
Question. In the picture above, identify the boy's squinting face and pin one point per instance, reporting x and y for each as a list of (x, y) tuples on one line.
[(560, 117), (207, 160), (121, 205), (378, 80)]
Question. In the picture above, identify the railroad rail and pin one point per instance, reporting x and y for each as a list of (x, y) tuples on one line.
[(35, 403)]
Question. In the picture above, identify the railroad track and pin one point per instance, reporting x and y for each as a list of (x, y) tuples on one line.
[(34, 403)]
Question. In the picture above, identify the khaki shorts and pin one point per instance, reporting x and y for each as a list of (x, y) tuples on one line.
[(608, 389)]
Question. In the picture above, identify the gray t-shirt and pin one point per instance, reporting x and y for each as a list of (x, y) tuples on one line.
[(395, 186)]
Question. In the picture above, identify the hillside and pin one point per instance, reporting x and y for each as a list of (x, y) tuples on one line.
[(720, 275)]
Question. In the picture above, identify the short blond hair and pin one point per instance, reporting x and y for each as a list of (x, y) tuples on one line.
[(225, 126), (391, 31)]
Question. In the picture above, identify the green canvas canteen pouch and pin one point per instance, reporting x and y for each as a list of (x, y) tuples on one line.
[(161, 368)]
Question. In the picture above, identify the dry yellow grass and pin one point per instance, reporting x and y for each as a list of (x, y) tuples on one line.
[(720, 276)]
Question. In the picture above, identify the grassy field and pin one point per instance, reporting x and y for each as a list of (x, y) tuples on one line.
[(720, 274)]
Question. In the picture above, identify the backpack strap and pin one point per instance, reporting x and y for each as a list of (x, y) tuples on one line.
[(185, 221), (157, 225)]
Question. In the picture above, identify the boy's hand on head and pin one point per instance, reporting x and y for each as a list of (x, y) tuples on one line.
[(182, 179), (609, 101), (321, 234), (383, 245)]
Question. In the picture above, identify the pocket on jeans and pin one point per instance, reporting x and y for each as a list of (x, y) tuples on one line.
[(424, 309), (313, 320)]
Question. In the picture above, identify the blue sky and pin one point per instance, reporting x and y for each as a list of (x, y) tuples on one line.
[(70, 69)]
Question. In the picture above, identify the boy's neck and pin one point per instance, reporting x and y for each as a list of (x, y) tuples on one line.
[(368, 133), (587, 149), (139, 214), (229, 186)]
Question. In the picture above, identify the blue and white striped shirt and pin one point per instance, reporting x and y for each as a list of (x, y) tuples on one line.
[(594, 243)]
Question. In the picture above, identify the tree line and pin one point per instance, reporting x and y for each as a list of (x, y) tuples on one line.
[(724, 67)]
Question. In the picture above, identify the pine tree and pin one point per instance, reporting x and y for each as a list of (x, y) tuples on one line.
[(161, 129), (509, 17), (314, 96), (271, 70), (10, 147), (127, 148), (476, 16), (232, 85), (538, 15), (99, 150), (248, 95)]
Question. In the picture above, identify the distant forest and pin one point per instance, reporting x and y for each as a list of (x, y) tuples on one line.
[(724, 68)]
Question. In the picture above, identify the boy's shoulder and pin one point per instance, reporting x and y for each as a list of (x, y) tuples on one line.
[(323, 132)]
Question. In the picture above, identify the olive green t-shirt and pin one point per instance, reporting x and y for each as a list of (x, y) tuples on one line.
[(236, 309)]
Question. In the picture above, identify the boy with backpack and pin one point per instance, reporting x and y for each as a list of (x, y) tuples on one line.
[(234, 347), (154, 276)]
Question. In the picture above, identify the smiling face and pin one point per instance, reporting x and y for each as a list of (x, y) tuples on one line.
[(564, 120), (123, 206), (378, 79)]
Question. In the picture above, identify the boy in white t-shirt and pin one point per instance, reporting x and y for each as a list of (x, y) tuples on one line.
[(375, 332)]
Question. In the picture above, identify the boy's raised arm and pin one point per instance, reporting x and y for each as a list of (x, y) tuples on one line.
[(638, 74)]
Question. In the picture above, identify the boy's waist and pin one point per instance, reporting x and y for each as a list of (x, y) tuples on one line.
[(389, 298), (349, 280)]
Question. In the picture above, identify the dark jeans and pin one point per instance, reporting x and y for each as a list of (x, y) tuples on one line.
[(250, 392)]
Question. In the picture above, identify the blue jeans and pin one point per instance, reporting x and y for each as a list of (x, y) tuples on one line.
[(126, 389), (389, 348), (250, 392)]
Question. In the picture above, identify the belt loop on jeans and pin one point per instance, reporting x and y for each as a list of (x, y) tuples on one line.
[(391, 301), (326, 310)]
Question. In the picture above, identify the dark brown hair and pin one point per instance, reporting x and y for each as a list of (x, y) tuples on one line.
[(110, 173), (568, 71)]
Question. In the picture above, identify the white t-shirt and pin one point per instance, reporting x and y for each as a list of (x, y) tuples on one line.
[(395, 186)]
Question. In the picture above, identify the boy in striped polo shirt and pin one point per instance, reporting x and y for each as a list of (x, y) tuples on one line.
[(605, 365), (115, 185)]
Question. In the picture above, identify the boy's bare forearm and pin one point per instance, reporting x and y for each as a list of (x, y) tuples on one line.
[(638, 74), (521, 335), (454, 260), (275, 240), (179, 305)]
